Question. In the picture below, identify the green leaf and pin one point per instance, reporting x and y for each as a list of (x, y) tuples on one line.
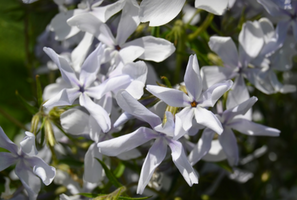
[(28, 106), (39, 91), (118, 172), (111, 177), (131, 198)]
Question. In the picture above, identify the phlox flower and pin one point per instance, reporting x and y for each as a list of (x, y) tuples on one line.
[(195, 102), (118, 49), (163, 135), (161, 12), (231, 119), (28, 164)]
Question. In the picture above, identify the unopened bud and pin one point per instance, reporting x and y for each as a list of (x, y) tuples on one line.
[(34, 124), (49, 134)]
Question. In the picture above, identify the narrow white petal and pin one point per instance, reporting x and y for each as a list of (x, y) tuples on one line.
[(153, 159), (75, 121), (30, 182), (93, 170), (79, 54), (28, 144), (130, 52), (91, 66), (238, 93), (202, 147), (44, 171), (216, 7), (61, 28), (66, 70), (214, 92), (251, 39), (192, 78), (208, 119), (250, 128), (153, 11), (219, 45), (6, 160), (105, 12), (6, 143), (182, 163), (96, 111), (64, 98), (229, 143), (214, 74), (128, 22), (133, 107), (241, 109), (116, 146), (155, 49), (186, 116), (91, 24), (172, 97)]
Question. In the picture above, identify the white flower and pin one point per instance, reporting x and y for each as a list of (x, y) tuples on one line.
[(28, 165)]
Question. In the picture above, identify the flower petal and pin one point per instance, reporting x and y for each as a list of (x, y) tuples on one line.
[(66, 70), (96, 111), (214, 92), (7, 144), (6, 160), (79, 54), (153, 11), (192, 78), (216, 7), (229, 143), (124, 143), (251, 39), (128, 22), (214, 74), (219, 45), (61, 28), (168, 127), (75, 121), (28, 144), (241, 109), (202, 147), (93, 170), (250, 128), (91, 66), (155, 49), (133, 107), (44, 171), (30, 182), (91, 24), (130, 52), (152, 160), (105, 12), (238, 93), (182, 163), (64, 98), (208, 119), (172, 97), (185, 116)]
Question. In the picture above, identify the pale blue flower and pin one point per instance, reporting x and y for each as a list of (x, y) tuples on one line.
[(28, 165)]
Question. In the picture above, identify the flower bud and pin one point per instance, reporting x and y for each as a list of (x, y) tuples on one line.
[(34, 124), (49, 134)]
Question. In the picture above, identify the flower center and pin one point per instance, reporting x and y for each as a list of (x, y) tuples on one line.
[(81, 89), (117, 47), (194, 104)]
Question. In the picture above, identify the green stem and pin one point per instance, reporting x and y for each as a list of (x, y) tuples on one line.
[(203, 27), (12, 119)]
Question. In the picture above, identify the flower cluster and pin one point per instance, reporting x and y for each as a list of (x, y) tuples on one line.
[(109, 102)]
